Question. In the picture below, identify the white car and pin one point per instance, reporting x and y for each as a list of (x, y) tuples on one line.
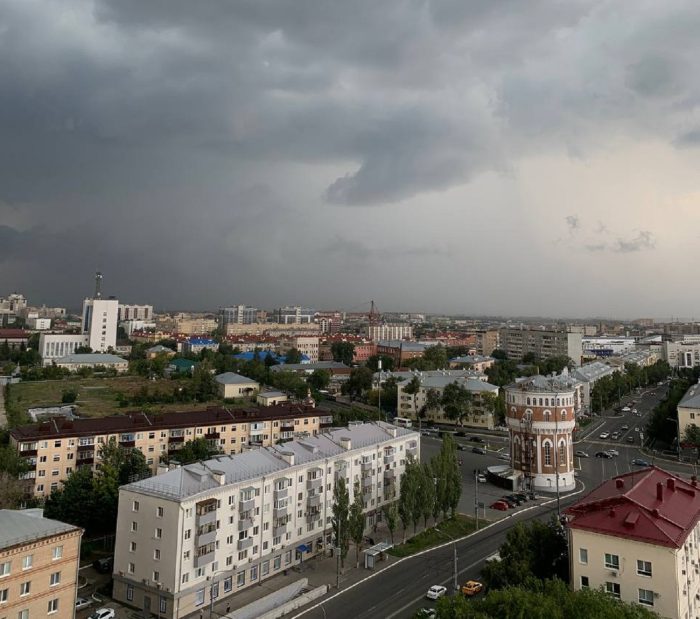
[(103, 613), (613, 452), (81, 603), (435, 592), (481, 478), (635, 411), (604, 435), (626, 409)]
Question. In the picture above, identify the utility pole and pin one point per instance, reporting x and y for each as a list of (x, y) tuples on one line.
[(379, 370), (337, 562), (456, 586), (476, 497)]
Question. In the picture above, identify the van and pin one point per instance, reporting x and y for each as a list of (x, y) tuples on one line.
[(103, 565)]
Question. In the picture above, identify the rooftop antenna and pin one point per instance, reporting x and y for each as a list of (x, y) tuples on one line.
[(98, 285)]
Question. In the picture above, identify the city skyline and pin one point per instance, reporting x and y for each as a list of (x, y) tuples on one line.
[(456, 157)]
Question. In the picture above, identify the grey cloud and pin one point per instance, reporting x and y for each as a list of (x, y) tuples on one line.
[(572, 222), (644, 240)]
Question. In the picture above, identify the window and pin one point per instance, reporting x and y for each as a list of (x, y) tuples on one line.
[(159, 512), (156, 576), (5, 569), (562, 454), (158, 533), (27, 562), (188, 533), (643, 568), (156, 555), (240, 581), (135, 506), (612, 561), (253, 573), (55, 578), (163, 605), (132, 546), (130, 593), (25, 587), (265, 568), (199, 597), (185, 577), (583, 556), (23, 614), (3, 595), (277, 562), (646, 597), (52, 606), (131, 568), (57, 552), (547, 454), (613, 589), (134, 526), (228, 584)]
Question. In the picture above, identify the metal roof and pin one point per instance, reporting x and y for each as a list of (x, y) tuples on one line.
[(97, 358), (17, 527), (231, 378)]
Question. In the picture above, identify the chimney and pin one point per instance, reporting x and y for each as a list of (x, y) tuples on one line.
[(671, 483), (219, 476), (619, 483), (346, 443), (288, 457), (659, 492)]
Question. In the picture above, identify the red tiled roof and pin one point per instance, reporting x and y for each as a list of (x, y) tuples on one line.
[(650, 505), (60, 427), (13, 334)]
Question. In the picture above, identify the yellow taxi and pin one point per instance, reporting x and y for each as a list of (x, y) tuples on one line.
[(472, 587)]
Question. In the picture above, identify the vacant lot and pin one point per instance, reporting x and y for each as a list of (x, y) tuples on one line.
[(96, 396)]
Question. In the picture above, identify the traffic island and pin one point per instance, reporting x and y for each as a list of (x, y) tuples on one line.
[(445, 530)]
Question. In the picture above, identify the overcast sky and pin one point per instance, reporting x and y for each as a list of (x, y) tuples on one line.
[(510, 157)]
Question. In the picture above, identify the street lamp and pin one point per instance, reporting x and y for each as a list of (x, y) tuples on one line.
[(379, 391), (214, 583), (454, 562)]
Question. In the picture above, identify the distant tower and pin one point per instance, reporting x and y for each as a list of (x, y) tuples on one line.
[(540, 413), (98, 285)]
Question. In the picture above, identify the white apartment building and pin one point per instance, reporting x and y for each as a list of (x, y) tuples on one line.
[(208, 530), (390, 331), (305, 344), (237, 314), (683, 354), (54, 346), (135, 312), (295, 315), (637, 537), (543, 343), (100, 318)]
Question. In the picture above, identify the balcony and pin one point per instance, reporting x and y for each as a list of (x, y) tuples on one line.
[(312, 517), (26, 453), (366, 465), (202, 560), (280, 512), (287, 426), (412, 451), (127, 442), (244, 506), (245, 543), (279, 530), (31, 464), (85, 461), (390, 475), (314, 484), (280, 493), (176, 439), (211, 435), (205, 516), (86, 449), (314, 500), (366, 481), (206, 538), (389, 458), (367, 491)]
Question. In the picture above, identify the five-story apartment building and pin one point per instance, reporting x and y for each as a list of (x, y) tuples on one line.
[(205, 531)]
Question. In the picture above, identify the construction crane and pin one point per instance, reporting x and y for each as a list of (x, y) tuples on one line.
[(374, 316)]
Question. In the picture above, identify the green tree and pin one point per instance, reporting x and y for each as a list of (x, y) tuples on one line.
[(426, 492), (391, 517), (293, 356), (10, 461), (413, 389), (69, 396), (691, 436), (340, 520), (196, 450), (456, 401), (289, 382), (408, 495), (128, 464), (343, 352), (445, 469), (432, 403), (319, 379), (12, 491), (203, 383), (74, 502), (356, 522), (358, 383)]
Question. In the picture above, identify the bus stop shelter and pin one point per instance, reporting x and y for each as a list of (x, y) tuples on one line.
[(376, 553)]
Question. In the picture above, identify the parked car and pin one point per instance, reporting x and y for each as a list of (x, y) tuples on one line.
[(615, 435), (604, 435), (626, 409), (481, 478), (81, 603), (428, 613), (461, 447), (511, 500), (635, 411), (460, 433), (602, 454), (476, 439), (104, 565), (625, 428), (640, 462), (522, 496), (103, 613), (581, 454), (613, 452), (478, 450), (472, 587), (630, 439), (500, 506), (435, 592)]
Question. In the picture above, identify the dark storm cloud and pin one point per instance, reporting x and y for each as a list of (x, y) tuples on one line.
[(167, 139)]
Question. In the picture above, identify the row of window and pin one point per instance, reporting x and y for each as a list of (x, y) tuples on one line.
[(25, 587), (28, 561), (644, 596), (51, 608), (612, 561)]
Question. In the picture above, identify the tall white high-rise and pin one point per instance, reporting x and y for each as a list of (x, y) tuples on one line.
[(100, 317)]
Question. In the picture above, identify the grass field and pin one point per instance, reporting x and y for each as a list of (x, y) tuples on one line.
[(445, 531), (97, 397)]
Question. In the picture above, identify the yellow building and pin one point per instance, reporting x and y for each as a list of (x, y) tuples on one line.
[(637, 537), (57, 447), (38, 566)]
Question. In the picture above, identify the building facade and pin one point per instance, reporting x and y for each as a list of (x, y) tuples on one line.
[(135, 312), (305, 344), (205, 531), (100, 318), (53, 346), (541, 418), (637, 536), (75, 362), (542, 343), (295, 315), (389, 331), (39, 560), (55, 448), (237, 315), (233, 386)]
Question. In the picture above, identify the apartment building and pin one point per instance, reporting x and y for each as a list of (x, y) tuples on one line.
[(389, 331), (55, 448), (543, 343), (39, 560), (205, 531), (135, 312), (305, 344), (237, 314), (637, 536), (100, 323), (478, 363), (480, 414), (689, 409), (295, 314)]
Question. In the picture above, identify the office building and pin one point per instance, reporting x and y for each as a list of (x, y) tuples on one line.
[(55, 448), (208, 530), (54, 346), (135, 312), (100, 323), (237, 315), (389, 331), (637, 536), (39, 560), (295, 315)]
